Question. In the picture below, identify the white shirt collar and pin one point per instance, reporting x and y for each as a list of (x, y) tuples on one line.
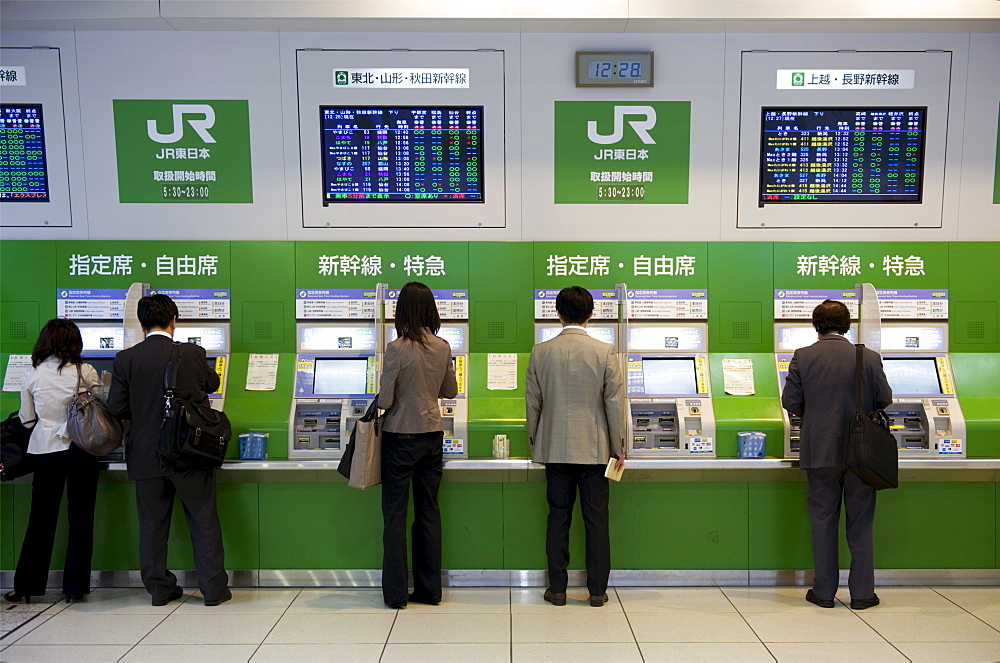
[(159, 333), (575, 327)]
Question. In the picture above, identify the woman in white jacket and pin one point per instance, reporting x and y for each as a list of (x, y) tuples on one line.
[(46, 392)]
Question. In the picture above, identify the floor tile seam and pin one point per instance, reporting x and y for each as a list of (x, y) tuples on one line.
[(981, 620), (510, 623), (745, 621), (388, 635), (627, 621), (20, 626), (275, 624), (953, 602)]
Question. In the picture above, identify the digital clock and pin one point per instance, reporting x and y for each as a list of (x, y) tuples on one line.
[(614, 69)]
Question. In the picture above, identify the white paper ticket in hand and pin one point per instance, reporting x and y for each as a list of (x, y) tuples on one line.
[(613, 473)]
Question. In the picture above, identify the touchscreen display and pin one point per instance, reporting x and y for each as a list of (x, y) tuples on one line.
[(674, 376), (340, 376), (913, 377)]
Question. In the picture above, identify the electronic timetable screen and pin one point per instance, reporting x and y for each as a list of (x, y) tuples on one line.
[(23, 174), (842, 155), (402, 154), (340, 376), (912, 377)]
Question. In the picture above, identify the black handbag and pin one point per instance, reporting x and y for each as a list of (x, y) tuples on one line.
[(871, 449), (15, 461), (190, 432)]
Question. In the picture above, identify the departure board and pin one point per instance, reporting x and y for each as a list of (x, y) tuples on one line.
[(402, 154), (23, 176), (842, 155)]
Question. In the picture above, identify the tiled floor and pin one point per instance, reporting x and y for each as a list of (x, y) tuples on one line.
[(500, 624)]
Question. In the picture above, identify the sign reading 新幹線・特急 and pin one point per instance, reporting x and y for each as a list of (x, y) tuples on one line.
[(182, 151), (622, 151)]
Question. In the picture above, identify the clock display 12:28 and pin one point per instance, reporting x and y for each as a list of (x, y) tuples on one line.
[(614, 68)]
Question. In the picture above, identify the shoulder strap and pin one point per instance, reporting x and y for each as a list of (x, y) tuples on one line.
[(79, 378), (170, 375), (858, 363)]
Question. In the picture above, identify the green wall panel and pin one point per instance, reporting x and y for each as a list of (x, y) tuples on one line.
[(27, 292), (679, 525), (974, 296), (263, 301), (470, 513), (500, 288), (936, 525), (319, 526), (779, 526), (759, 412), (494, 412), (525, 511), (260, 411), (740, 295)]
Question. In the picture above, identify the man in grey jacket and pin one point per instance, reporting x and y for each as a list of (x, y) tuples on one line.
[(575, 401), (820, 388)]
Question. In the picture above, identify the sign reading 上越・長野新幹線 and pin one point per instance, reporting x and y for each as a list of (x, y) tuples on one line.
[(172, 151), (622, 152)]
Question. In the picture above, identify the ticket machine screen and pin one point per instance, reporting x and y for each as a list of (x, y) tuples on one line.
[(603, 333), (673, 376), (912, 377), (102, 339), (341, 376)]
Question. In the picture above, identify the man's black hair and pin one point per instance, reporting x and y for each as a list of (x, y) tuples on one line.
[(574, 304), (831, 316), (156, 312)]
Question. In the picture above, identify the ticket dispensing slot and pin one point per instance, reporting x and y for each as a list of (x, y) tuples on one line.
[(335, 383), (215, 338), (924, 417), (454, 411)]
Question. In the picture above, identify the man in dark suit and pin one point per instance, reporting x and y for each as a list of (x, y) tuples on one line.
[(820, 388), (137, 394)]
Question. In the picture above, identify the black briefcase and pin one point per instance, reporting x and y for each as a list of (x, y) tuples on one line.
[(14, 458), (871, 449)]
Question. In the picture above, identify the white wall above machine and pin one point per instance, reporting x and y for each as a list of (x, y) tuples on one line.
[(505, 15)]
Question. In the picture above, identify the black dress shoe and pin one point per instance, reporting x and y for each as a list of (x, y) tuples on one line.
[(174, 595), (823, 603), (417, 598), (864, 604), (555, 598), (14, 597), (211, 603), (396, 606), (74, 598)]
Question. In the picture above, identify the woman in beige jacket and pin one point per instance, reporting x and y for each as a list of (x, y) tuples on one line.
[(418, 371)]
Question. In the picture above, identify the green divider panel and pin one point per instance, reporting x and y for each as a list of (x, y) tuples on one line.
[(471, 524), (740, 293), (679, 525), (7, 543), (500, 290), (779, 525), (263, 301), (241, 536), (260, 411), (495, 412), (973, 297), (759, 412)]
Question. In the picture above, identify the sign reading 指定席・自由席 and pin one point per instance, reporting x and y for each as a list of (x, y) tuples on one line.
[(177, 151), (622, 151)]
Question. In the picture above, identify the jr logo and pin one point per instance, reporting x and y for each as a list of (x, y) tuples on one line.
[(640, 127), (200, 127)]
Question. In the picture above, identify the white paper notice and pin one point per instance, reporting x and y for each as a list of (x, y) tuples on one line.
[(738, 376), (262, 372), (501, 371), (16, 366)]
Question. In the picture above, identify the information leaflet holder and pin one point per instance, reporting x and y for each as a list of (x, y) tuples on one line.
[(215, 337)]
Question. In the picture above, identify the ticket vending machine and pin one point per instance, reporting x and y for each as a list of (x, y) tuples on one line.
[(925, 416), (336, 379), (670, 413), (454, 411), (215, 338), (789, 337)]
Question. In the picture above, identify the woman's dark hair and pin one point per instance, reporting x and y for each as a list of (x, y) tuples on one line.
[(575, 304), (61, 339), (831, 316), (415, 312), (156, 311)]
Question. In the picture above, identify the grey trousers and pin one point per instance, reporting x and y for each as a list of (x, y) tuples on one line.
[(827, 486)]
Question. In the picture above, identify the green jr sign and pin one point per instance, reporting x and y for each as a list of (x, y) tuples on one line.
[(622, 152), (172, 151)]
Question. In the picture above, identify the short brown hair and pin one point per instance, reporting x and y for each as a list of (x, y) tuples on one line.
[(61, 339), (831, 316)]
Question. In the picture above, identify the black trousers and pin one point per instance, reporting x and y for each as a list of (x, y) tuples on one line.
[(76, 470), (410, 459), (564, 480), (155, 501), (827, 487)]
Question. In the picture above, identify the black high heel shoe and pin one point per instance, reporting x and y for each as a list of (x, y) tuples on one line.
[(14, 597)]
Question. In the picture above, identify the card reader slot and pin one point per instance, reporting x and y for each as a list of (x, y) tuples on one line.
[(666, 421)]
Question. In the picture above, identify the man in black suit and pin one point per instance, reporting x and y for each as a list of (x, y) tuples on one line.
[(137, 394), (820, 388)]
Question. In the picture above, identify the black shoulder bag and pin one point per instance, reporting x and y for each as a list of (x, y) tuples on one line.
[(871, 449), (190, 433), (15, 461)]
